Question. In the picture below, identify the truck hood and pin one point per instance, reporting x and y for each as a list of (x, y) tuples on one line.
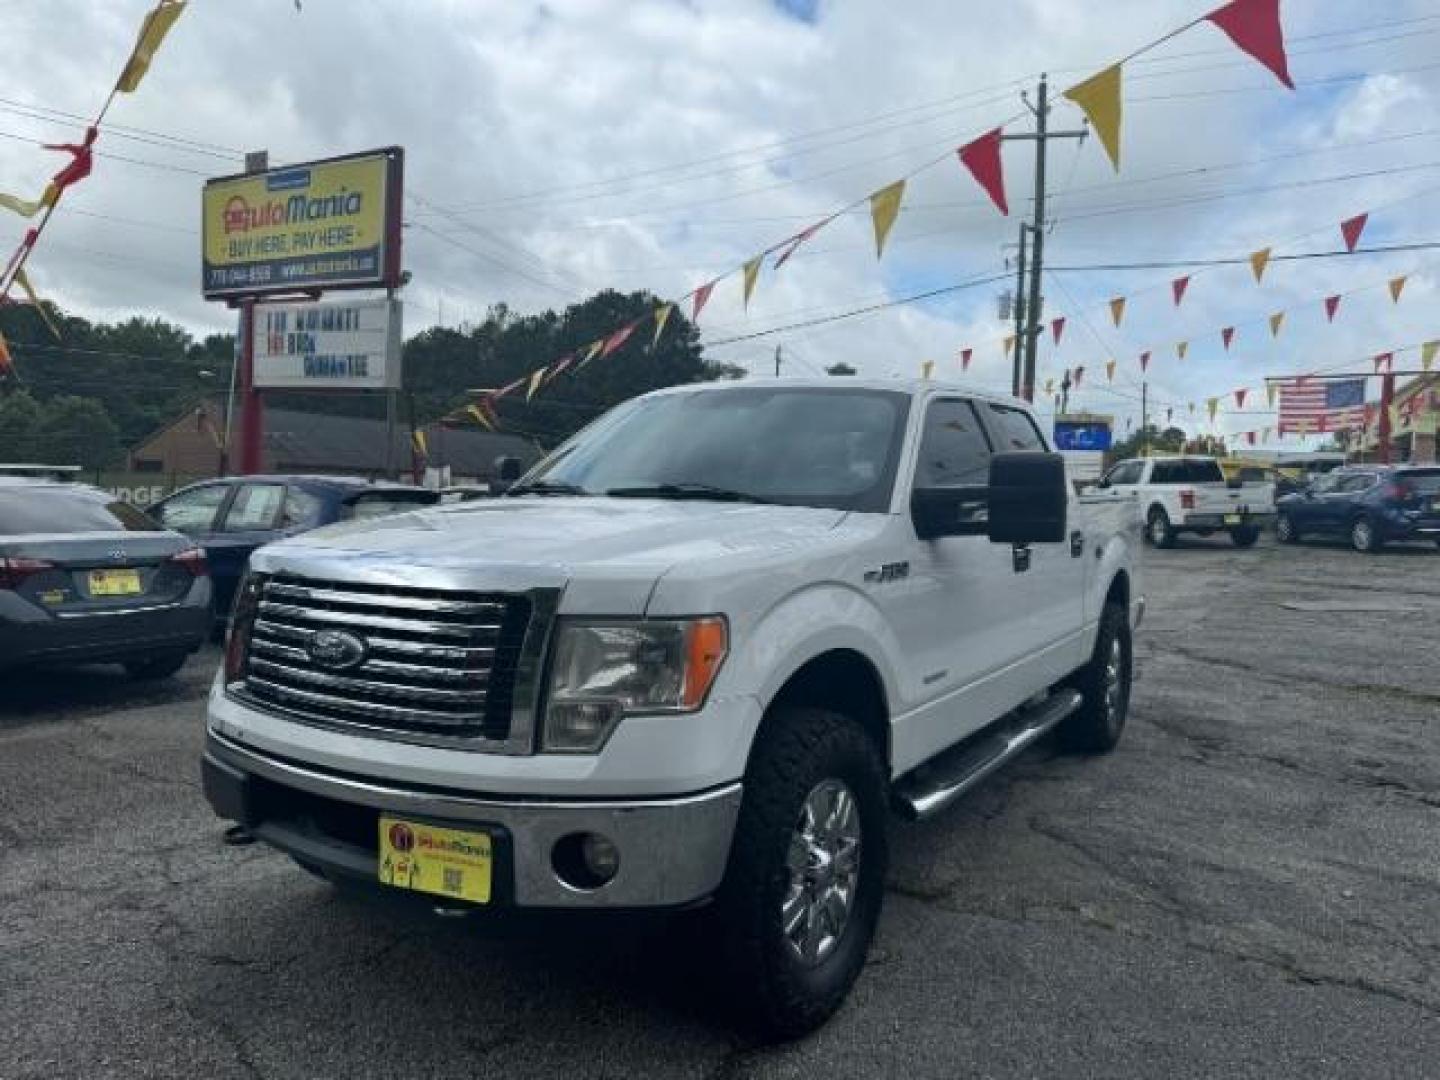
[(618, 546)]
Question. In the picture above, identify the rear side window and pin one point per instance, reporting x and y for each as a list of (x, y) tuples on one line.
[(1356, 483), (1126, 473), (256, 507), (954, 451), (67, 510), (1202, 472), (194, 510), (302, 509), (1013, 429)]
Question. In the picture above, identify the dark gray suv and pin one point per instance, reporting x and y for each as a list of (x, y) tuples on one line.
[(84, 578)]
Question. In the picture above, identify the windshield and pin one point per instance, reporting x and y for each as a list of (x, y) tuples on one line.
[(800, 447)]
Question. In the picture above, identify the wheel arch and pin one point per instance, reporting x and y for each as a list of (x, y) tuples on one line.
[(842, 680)]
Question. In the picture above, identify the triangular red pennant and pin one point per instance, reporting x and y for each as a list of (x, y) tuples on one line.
[(1332, 305), (1254, 26), (965, 355), (1240, 398), (615, 340), (1144, 360), (800, 238), (1057, 327), (982, 158), (702, 297), (1250, 437), (1178, 287), (1227, 335), (1351, 228)]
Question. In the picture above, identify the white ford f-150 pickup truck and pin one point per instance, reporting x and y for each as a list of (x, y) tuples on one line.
[(1191, 494), (692, 659)]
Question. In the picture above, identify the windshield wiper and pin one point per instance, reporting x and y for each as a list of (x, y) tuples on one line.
[(546, 487), (683, 491)]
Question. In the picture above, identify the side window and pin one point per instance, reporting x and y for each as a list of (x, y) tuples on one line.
[(1127, 472), (192, 511), (301, 509), (1162, 473), (1354, 484), (954, 450), (1013, 429), (256, 507)]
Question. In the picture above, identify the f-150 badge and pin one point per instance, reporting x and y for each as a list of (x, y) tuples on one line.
[(891, 571)]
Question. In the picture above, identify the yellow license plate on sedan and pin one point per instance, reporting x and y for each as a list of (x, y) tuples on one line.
[(1233, 519), (114, 582), (429, 859)]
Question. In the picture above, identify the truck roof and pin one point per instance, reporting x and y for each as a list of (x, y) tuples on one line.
[(915, 387)]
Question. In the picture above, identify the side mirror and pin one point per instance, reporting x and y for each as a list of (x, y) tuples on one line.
[(957, 511), (507, 470), (1029, 497)]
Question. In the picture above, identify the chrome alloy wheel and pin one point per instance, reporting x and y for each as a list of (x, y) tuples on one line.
[(824, 866), (1114, 683)]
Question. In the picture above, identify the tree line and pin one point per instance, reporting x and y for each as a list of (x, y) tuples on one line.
[(104, 387)]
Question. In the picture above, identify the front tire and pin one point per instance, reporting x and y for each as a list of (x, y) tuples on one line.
[(1363, 537), (155, 667), (802, 893), (1285, 530), (1105, 681), (1158, 530), (1245, 536)]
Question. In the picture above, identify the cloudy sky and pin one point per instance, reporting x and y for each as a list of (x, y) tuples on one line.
[(558, 148)]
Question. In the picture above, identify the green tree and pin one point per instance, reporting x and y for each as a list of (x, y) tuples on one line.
[(19, 427), (78, 431), (1153, 439)]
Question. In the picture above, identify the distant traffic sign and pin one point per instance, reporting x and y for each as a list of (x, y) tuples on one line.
[(332, 224)]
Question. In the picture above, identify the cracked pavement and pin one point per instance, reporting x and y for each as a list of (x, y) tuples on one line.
[(1248, 886)]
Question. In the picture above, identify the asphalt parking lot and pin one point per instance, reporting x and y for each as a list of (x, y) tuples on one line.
[(1248, 886)]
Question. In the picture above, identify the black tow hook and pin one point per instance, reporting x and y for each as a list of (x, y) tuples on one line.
[(238, 836)]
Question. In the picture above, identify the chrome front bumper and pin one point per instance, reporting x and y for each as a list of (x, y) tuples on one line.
[(673, 851)]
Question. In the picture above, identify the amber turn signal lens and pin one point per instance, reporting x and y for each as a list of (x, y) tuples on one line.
[(706, 645)]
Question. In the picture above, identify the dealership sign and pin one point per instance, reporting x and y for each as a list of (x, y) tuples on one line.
[(332, 224), (339, 346)]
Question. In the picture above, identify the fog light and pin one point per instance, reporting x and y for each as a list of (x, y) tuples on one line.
[(585, 861)]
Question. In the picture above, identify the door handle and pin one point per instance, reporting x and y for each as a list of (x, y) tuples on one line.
[(1077, 544)]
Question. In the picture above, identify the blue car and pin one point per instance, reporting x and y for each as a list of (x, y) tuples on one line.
[(1369, 505), (232, 517)]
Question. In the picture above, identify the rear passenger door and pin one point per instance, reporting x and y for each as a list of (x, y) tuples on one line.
[(251, 519)]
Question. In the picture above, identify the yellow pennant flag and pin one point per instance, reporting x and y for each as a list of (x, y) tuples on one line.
[(480, 417), (752, 272), (1397, 285), (1109, 370), (1270, 388), (23, 281), (1427, 354), (421, 446), (662, 314), (1099, 98), (7, 362), (1211, 406), (1181, 349), (884, 207), (926, 367), (1009, 343), (1258, 261), (536, 378), (1275, 322), (1117, 310), (30, 207), (152, 32)]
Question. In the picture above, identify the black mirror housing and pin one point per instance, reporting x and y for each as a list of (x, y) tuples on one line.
[(1029, 498)]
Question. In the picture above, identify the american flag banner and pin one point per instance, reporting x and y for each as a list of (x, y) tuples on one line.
[(1308, 406)]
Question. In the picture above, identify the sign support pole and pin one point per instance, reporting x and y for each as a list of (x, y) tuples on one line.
[(252, 409)]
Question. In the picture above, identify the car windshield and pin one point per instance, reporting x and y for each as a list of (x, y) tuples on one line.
[(39, 509), (1427, 480), (835, 448)]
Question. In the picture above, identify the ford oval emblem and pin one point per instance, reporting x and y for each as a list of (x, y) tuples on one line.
[(336, 650)]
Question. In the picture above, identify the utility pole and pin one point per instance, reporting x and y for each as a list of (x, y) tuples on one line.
[(1017, 361), (1144, 419), (777, 361), (1040, 136)]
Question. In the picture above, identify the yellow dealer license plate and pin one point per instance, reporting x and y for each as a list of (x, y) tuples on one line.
[(429, 859), (114, 582), (1233, 519)]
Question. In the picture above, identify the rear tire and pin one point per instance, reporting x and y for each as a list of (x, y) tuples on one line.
[(1105, 681), (1363, 537), (1245, 536), (1285, 530), (155, 667), (802, 893), (1158, 530)]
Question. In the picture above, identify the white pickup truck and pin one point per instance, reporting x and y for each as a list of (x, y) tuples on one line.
[(692, 659), (1191, 494)]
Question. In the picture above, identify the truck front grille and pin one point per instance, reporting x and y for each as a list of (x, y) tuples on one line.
[(437, 665)]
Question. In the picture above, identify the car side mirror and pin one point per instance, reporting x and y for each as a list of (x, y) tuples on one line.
[(507, 470), (1029, 498), (949, 511)]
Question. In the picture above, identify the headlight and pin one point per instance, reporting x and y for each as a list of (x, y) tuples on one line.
[(603, 671)]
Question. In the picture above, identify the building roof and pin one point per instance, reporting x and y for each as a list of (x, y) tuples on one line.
[(303, 441)]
